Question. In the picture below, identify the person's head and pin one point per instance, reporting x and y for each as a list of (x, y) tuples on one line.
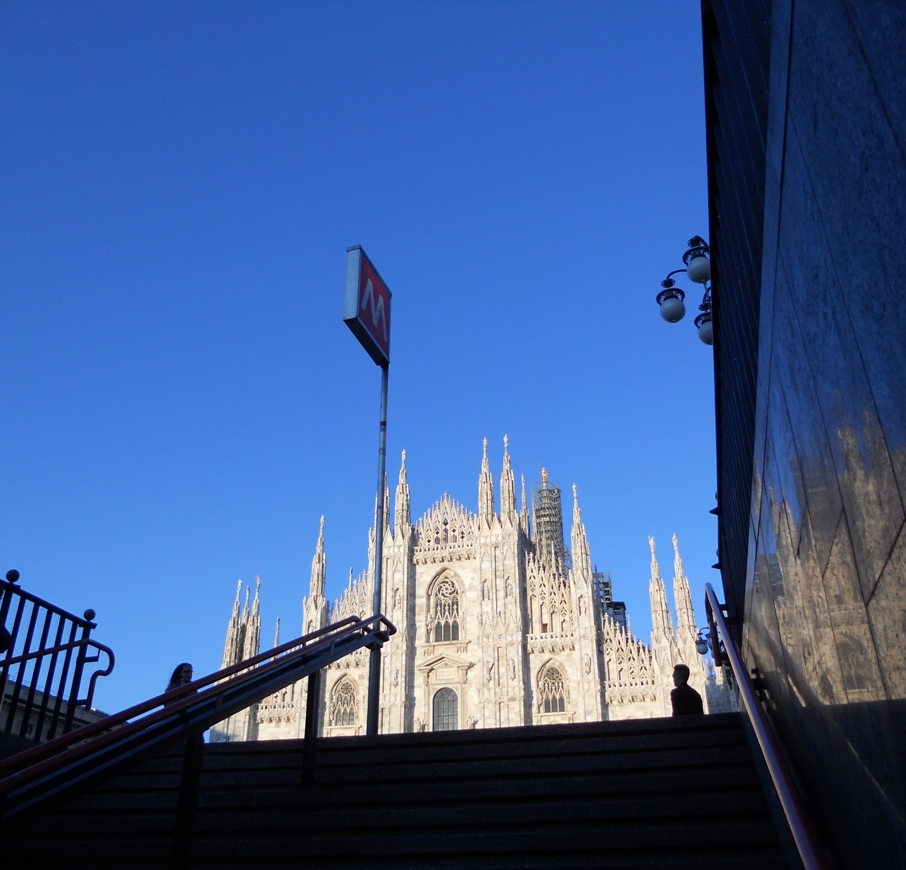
[(680, 675), (181, 675)]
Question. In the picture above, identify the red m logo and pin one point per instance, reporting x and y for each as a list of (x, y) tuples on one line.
[(378, 317)]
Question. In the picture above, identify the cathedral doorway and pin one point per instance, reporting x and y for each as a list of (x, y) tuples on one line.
[(446, 710)]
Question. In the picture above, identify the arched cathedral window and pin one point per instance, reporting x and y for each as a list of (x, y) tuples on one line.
[(344, 704), (443, 615), (446, 710), (552, 690)]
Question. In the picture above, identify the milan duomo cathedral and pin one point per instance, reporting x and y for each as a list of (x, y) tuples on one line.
[(499, 624)]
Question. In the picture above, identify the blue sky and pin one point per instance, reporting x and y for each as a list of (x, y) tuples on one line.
[(181, 398)]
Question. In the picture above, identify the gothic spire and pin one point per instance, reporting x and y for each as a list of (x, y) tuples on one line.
[(403, 521), (318, 567), (485, 489), (581, 552), (507, 487), (386, 503), (685, 618), (250, 646), (661, 623), (232, 648), (277, 634), (523, 513)]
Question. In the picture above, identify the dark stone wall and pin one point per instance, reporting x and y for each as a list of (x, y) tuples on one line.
[(825, 577), (736, 56)]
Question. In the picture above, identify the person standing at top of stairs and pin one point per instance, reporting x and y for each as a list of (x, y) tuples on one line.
[(684, 699)]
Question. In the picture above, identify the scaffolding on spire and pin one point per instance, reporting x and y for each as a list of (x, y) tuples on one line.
[(547, 523)]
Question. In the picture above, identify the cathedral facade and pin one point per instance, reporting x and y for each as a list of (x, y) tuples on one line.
[(499, 623)]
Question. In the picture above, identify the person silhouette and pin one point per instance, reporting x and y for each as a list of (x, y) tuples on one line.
[(182, 674), (684, 699)]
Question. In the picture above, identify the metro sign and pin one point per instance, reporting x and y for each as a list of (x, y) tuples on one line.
[(366, 306)]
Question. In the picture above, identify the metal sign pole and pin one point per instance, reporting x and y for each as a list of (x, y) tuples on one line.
[(374, 663), (366, 311)]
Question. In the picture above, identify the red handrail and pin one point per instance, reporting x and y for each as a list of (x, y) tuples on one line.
[(42, 758), (801, 826)]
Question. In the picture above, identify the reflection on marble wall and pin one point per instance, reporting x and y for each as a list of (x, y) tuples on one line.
[(825, 611)]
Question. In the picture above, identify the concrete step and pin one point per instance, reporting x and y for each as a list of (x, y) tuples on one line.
[(672, 793)]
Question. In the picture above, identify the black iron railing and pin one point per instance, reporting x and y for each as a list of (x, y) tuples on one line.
[(804, 835), (67, 765), (44, 651)]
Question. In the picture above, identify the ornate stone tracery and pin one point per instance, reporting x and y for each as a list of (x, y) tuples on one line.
[(344, 704), (447, 525), (443, 610), (356, 599), (550, 598), (552, 689)]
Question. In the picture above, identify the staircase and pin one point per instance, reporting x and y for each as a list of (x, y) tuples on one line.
[(645, 793)]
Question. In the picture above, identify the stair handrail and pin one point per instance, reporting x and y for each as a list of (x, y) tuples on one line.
[(329, 643), (804, 835), (169, 699)]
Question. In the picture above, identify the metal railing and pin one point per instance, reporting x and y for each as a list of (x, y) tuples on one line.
[(801, 828), (45, 650), (69, 764)]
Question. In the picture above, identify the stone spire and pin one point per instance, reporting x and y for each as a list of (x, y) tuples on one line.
[(277, 634), (661, 623), (685, 617), (386, 504), (235, 636), (579, 540), (507, 487), (523, 513), (403, 522), (318, 567), (485, 489), (314, 605), (251, 646)]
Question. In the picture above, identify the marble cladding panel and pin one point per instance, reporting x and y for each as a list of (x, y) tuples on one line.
[(849, 620), (763, 632), (880, 30), (846, 112), (822, 670), (826, 585), (887, 620), (830, 355), (810, 449)]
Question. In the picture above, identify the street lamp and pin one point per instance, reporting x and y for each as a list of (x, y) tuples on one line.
[(697, 261), (704, 643)]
